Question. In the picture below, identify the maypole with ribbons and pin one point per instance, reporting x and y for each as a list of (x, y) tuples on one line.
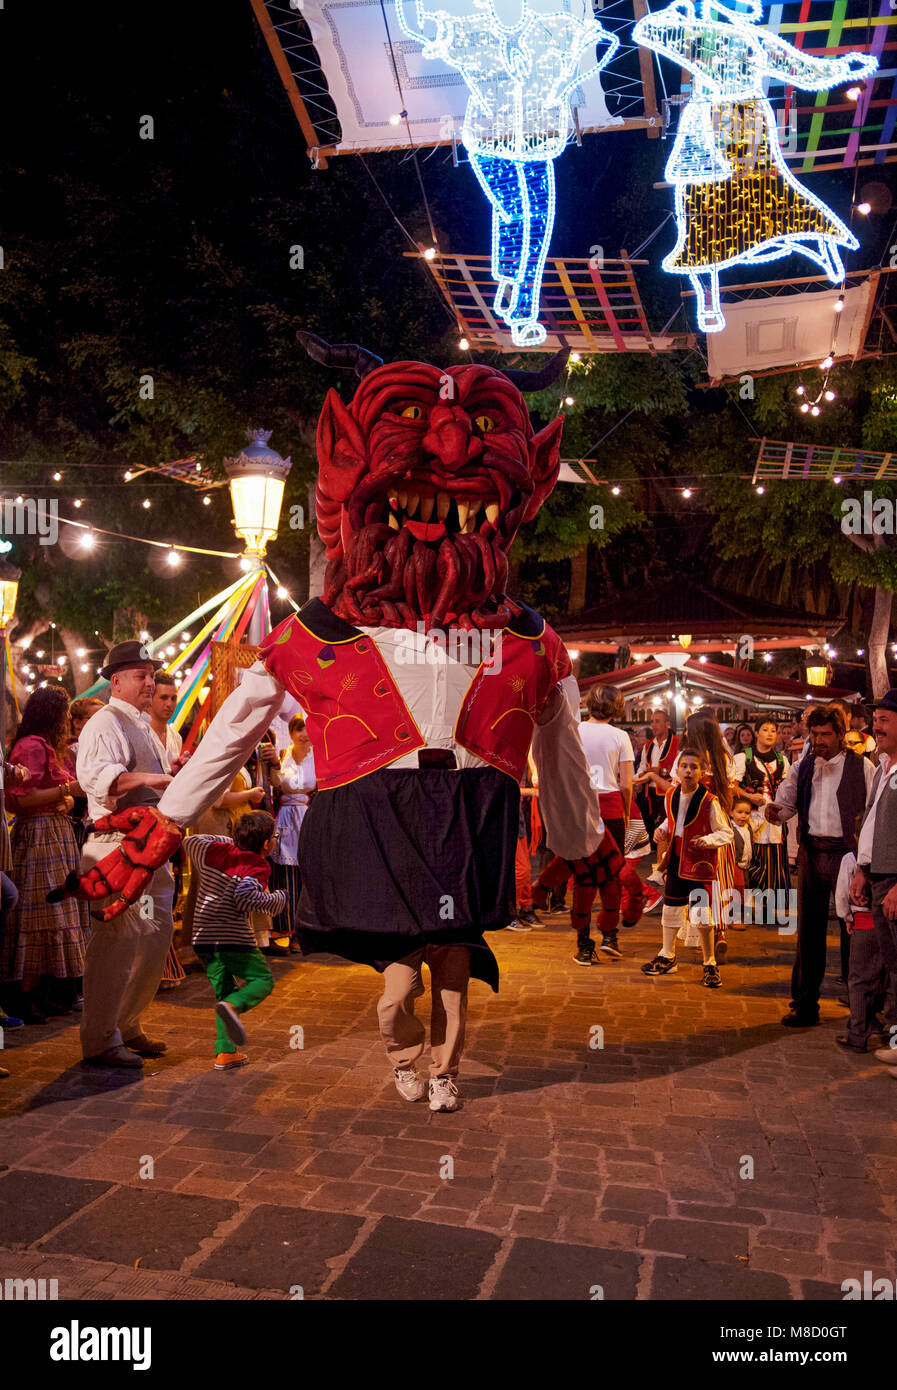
[(242, 611)]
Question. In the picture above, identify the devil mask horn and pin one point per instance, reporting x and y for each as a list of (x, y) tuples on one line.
[(340, 354)]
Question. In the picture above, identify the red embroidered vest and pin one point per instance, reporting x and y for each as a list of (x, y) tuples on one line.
[(694, 863), (665, 764), (355, 715)]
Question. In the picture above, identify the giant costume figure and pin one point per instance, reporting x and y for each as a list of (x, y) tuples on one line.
[(420, 743)]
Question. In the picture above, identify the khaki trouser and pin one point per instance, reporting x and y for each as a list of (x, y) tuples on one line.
[(125, 957), (402, 1033)]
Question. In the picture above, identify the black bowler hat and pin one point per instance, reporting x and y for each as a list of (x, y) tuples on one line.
[(888, 701), (126, 654)]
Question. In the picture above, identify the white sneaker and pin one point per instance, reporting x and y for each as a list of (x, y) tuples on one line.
[(888, 1055), (443, 1093), (409, 1084)]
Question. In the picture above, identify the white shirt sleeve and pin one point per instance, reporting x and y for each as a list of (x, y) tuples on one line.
[(843, 905), (570, 688), (567, 803), (786, 796), (103, 755), (721, 829), (236, 729)]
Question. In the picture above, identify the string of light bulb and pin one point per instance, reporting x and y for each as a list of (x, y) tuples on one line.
[(811, 405)]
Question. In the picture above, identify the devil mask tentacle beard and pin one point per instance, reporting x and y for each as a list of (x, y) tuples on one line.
[(423, 481)]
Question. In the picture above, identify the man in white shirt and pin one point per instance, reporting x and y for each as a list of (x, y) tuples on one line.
[(118, 767), (827, 791), (161, 710), (656, 757), (875, 881)]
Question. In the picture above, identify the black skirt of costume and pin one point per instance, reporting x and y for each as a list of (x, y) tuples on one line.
[(406, 858)]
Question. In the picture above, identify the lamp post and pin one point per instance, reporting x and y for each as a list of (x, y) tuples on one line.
[(673, 662), (9, 588), (257, 476)]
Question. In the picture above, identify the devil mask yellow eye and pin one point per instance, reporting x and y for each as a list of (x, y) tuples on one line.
[(412, 412), (484, 423)]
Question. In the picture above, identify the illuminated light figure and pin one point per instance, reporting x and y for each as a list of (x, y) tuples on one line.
[(737, 202), (517, 121)]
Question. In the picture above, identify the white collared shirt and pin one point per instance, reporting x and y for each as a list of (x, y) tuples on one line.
[(824, 817), (103, 755), (173, 743), (864, 844)]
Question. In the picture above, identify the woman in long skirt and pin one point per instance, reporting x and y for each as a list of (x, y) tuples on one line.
[(43, 944), (760, 772)]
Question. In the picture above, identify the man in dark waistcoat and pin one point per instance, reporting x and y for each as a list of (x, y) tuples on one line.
[(827, 792)]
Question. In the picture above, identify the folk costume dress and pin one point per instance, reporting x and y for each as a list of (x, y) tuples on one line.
[(764, 773), (410, 839), (42, 938), (736, 199)]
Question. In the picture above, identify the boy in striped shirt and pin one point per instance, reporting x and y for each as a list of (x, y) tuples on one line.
[(233, 881)]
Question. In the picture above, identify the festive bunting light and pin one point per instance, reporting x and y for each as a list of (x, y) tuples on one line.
[(517, 122), (737, 202)]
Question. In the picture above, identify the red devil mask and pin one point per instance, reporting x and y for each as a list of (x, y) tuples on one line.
[(423, 481)]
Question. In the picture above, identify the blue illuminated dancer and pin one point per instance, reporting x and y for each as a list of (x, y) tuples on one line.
[(737, 202), (518, 119)]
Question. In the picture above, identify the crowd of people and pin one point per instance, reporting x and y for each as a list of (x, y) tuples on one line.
[(731, 814), (69, 765)]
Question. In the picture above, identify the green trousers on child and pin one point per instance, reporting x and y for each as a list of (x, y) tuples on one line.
[(224, 968)]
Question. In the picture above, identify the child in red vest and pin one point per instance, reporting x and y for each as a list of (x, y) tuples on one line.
[(690, 839)]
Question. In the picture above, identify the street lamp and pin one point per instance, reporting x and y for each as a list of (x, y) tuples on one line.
[(9, 588), (257, 476)]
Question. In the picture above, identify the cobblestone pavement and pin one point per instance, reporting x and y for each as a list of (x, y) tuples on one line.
[(701, 1152)]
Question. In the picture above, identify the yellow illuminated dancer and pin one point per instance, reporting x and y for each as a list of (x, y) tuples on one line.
[(736, 200)]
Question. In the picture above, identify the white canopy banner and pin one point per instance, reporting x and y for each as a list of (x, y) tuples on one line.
[(355, 56), (789, 330)]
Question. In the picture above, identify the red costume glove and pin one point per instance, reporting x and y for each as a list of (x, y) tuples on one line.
[(150, 840)]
